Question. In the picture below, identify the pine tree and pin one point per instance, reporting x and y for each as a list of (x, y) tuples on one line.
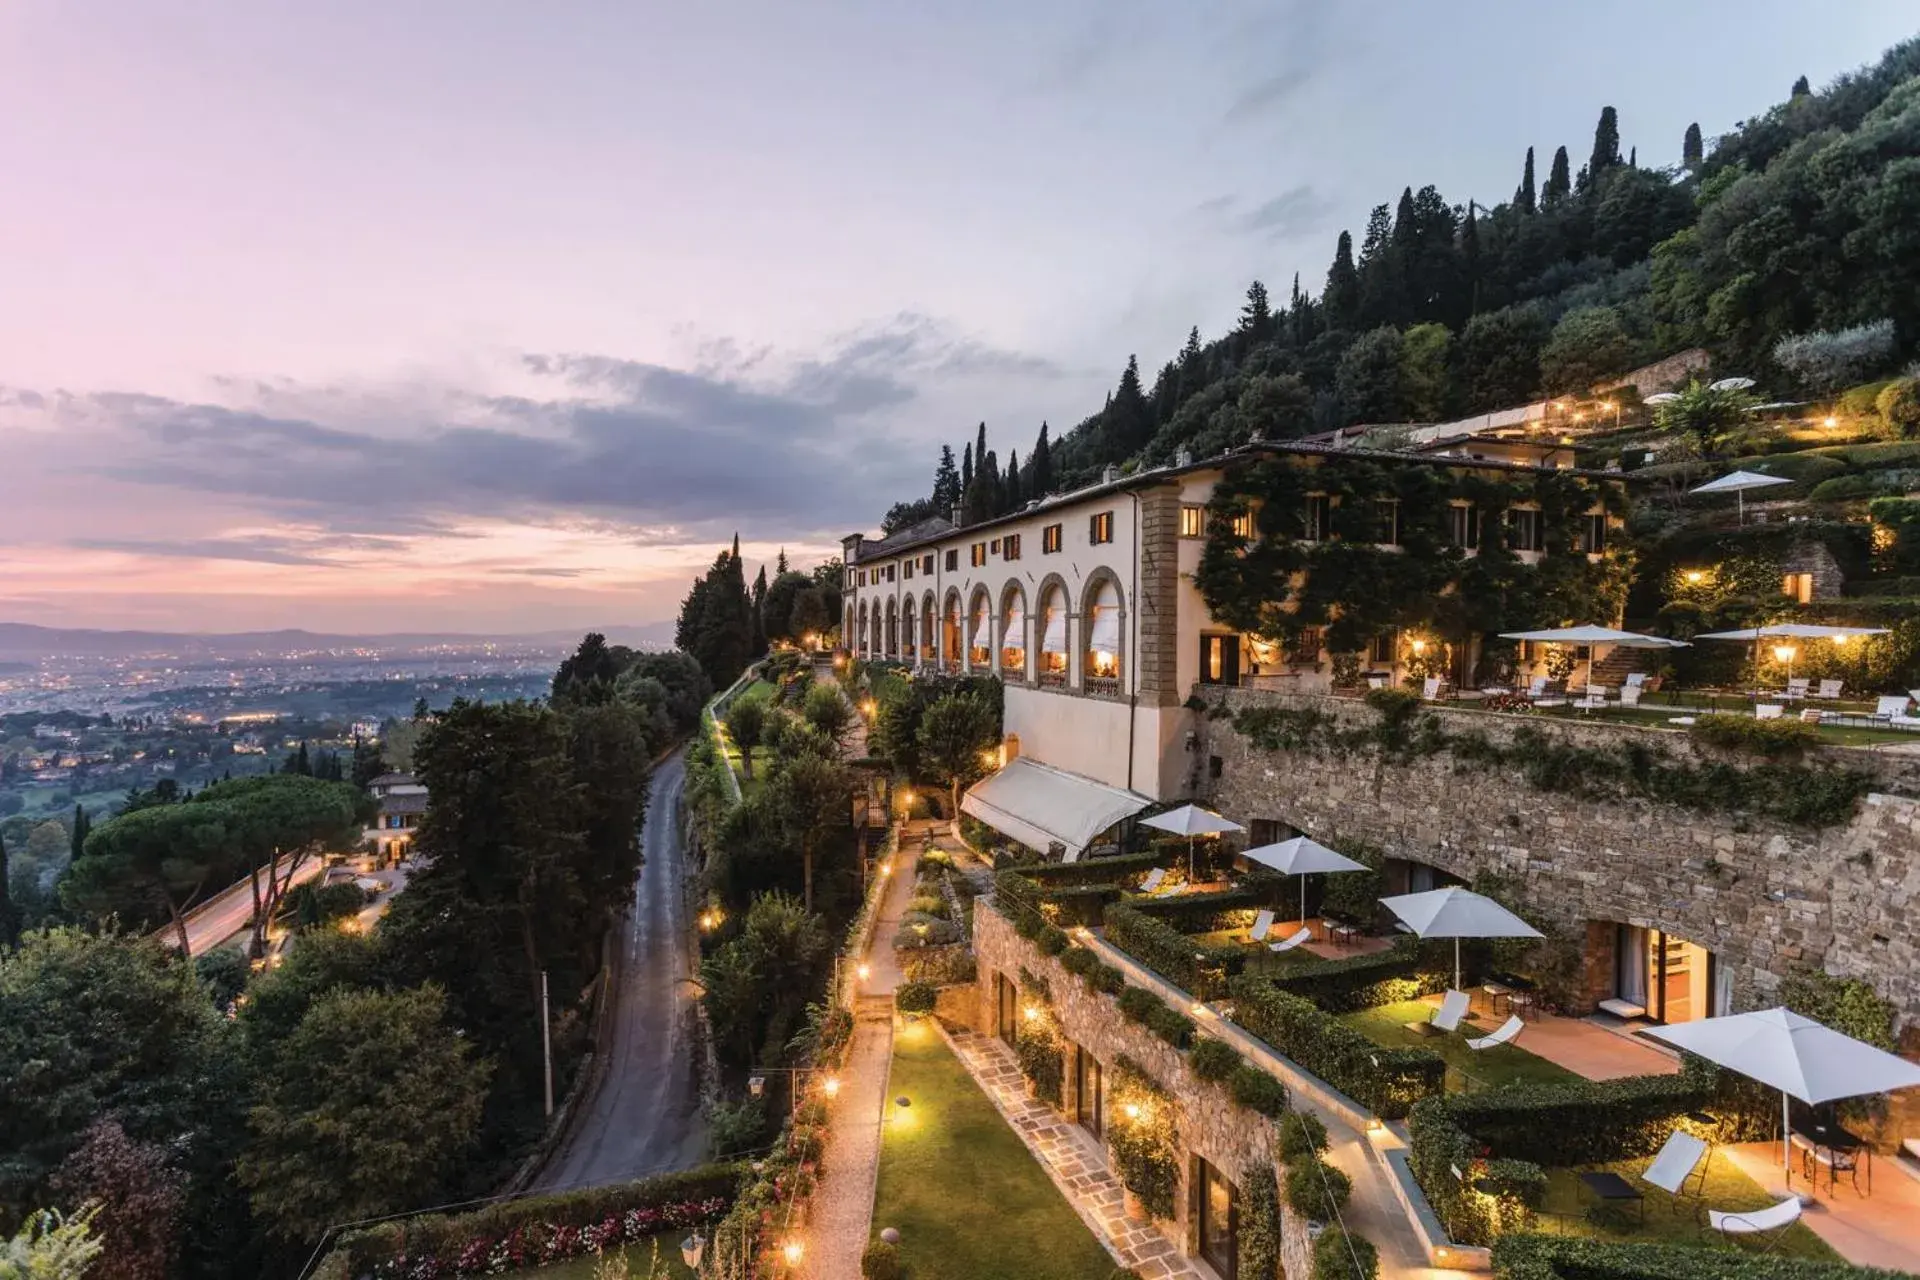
[(1256, 317), (1559, 181), (946, 483), (1801, 88), (1382, 292), (1010, 484), (1341, 300), (1606, 145), (1042, 464), (1127, 421), (1470, 258), (1691, 150), (1190, 354), (779, 565), (1523, 196)]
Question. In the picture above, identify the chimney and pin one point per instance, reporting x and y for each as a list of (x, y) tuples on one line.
[(1183, 458), (1111, 474), (851, 545), (957, 521)]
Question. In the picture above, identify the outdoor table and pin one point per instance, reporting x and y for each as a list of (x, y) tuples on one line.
[(1840, 1151), (1610, 1189), (1494, 990)]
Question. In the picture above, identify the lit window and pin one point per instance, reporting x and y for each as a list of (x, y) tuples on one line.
[(1100, 528), (978, 554), (1243, 526), (1050, 539), (1010, 546), (953, 560), (1193, 522)]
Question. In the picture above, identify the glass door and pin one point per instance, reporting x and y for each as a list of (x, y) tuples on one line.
[(1219, 1221), (1006, 999), (1089, 1106)]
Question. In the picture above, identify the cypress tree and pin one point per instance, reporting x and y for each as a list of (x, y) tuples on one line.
[(1010, 484), (1042, 483), (1691, 151), (82, 824), (780, 565), (966, 472), (1523, 196), (980, 449), (1606, 145), (1470, 258), (1559, 181), (1801, 88), (1341, 300)]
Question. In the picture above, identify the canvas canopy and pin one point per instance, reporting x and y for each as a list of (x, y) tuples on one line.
[(1298, 857), (1041, 806), (1053, 637), (1457, 913), (1013, 632)]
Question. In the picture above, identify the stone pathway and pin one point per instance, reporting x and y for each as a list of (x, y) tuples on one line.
[(840, 1216), (1071, 1157)]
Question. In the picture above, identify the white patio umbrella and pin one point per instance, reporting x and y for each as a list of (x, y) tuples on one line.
[(1591, 636), (1730, 384), (1457, 913), (1789, 631), (1190, 820), (1661, 397), (1298, 857), (1796, 1055), (1737, 483)]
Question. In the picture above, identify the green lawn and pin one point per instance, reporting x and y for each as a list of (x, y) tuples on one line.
[(1503, 1064), (1570, 1209), (639, 1259), (969, 1201), (1260, 959), (1659, 717)]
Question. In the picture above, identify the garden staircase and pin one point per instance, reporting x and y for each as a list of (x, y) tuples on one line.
[(1613, 670)]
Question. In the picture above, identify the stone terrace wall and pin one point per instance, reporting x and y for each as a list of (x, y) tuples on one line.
[(1765, 897), (1229, 1137)]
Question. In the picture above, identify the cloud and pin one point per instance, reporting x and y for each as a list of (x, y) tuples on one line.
[(1268, 93), (1293, 212), (1281, 50)]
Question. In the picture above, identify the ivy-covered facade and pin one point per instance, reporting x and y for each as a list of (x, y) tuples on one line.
[(1340, 563)]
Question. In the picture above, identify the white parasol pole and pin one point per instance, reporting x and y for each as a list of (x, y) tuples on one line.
[(1303, 899), (1456, 964), (1786, 1142)]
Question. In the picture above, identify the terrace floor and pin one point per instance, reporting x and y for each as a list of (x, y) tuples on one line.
[(1584, 1047), (1878, 1230)]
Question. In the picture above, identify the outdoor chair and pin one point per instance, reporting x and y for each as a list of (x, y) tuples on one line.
[(1768, 711), (1753, 1224), (1430, 690), (1594, 699), (1155, 878), (1508, 1030), (1262, 926), (1538, 695), (1297, 938), (1811, 716), (1677, 1163), (1376, 680), (1796, 688), (1892, 708), (1828, 691), (1453, 1007)]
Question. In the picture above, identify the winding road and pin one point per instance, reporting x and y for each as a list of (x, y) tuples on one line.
[(644, 1114)]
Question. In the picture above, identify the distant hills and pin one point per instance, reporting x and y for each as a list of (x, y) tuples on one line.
[(19, 640)]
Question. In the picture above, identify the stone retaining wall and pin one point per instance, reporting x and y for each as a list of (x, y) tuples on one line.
[(1767, 898)]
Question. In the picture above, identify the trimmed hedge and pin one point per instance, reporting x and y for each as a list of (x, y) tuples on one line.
[(1213, 1060), (1254, 1089), (1188, 964), (442, 1236), (1054, 875), (1387, 1081), (1537, 1257), (1364, 982), (1316, 1190), (1205, 912), (1141, 1005), (1335, 1253)]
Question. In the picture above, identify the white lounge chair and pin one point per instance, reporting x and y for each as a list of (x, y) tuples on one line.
[(1768, 711), (1629, 695), (1635, 679), (1430, 690), (1677, 1162), (1453, 1007), (1155, 878), (1757, 1222), (1828, 691), (1891, 707), (1811, 715), (1593, 699), (1508, 1030), (1376, 680), (1797, 688), (1538, 695), (1262, 926), (1299, 937)]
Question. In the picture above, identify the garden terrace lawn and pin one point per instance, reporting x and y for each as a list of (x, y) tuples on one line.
[(969, 1200), (1503, 1064), (639, 1257), (1260, 957), (1568, 1205)]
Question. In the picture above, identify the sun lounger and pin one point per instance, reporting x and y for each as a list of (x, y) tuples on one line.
[(1811, 716), (1155, 878), (1636, 679), (1629, 695), (1377, 680), (1754, 1223), (1453, 1007), (1796, 688), (1594, 699), (1297, 938), (1538, 695), (1768, 711), (1677, 1162), (1262, 926), (1508, 1030), (1430, 689), (1829, 690)]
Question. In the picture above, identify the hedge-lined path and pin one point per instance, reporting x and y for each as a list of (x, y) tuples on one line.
[(1071, 1158), (841, 1216)]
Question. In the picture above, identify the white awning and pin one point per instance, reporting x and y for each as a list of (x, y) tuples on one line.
[(1041, 806), (1053, 639), (1013, 633)]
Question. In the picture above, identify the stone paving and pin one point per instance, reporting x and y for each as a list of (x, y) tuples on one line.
[(1071, 1157)]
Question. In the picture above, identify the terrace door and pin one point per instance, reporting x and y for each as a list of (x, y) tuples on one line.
[(1219, 659), (1089, 1103), (1219, 1221), (1006, 1001)]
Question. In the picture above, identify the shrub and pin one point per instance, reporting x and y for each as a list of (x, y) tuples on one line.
[(927, 904), (1363, 982), (1302, 1136), (1108, 979), (1079, 961), (1316, 1190), (914, 997), (1899, 404), (1041, 1060), (1543, 1257), (1388, 1081), (1259, 1242), (1213, 1060), (1774, 739), (1052, 941), (1256, 1090), (882, 1261), (1144, 1007), (1185, 963), (1341, 1255)]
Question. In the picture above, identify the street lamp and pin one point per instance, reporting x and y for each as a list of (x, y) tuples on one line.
[(1785, 653)]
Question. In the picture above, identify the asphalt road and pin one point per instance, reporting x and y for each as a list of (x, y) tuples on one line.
[(645, 1115)]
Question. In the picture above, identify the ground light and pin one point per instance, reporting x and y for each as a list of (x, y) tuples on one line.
[(831, 1086), (863, 972), (793, 1251)]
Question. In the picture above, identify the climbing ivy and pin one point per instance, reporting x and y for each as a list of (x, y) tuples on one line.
[(1277, 583), (1812, 795)]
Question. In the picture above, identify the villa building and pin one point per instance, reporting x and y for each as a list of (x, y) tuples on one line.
[(402, 802)]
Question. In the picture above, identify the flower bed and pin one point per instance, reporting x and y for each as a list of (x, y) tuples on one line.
[(535, 1230)]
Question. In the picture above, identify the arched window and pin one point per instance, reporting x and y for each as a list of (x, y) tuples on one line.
[(1053, 636), (979, 633), (1101, 662), (908, 631), (860, 635), (950, 632), (893, 629), (1013, 635)]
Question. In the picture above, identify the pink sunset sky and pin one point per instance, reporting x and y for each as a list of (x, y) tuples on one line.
[(460, 315)]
